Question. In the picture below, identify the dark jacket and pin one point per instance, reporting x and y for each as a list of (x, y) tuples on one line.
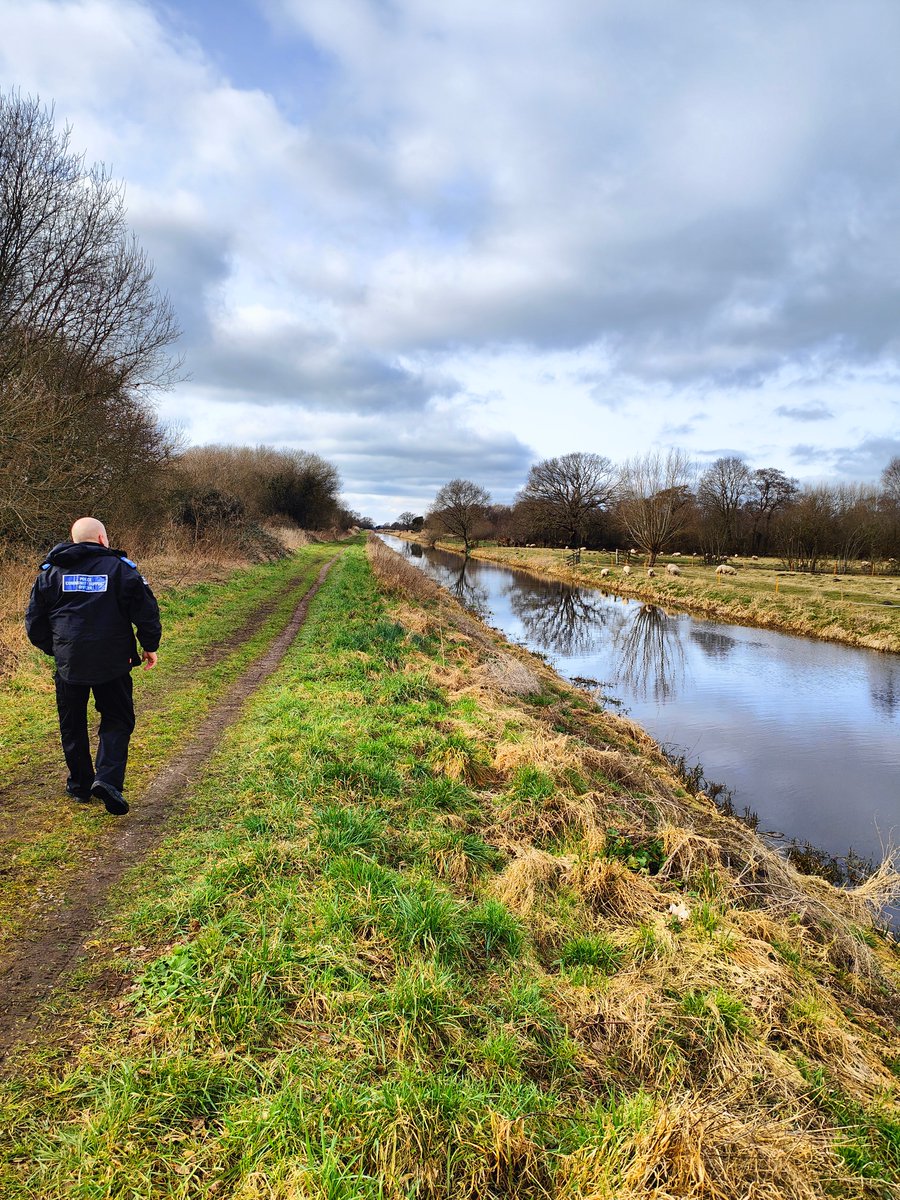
[(82, 607)]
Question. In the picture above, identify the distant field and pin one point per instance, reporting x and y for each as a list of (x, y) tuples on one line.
[(859, 609)]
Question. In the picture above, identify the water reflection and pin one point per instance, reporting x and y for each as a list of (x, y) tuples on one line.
[(463, 584), (562, 620), (458, 576), (716, 645), (884, 688), (805, 733), (651, 655)]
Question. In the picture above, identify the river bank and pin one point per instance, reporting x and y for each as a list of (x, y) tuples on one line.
[(856, 610), (433, 925)]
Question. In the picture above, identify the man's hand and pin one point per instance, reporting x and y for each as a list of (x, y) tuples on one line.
[(149, 657)]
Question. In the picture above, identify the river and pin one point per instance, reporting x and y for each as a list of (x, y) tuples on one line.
[(804, 733)]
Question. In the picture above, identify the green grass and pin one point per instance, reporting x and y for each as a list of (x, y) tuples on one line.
[(324, 995), (174, 698)]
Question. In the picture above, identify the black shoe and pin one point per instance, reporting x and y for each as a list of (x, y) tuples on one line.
[(79, 795), (112, 798)]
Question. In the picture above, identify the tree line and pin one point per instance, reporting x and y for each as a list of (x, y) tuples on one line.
[(661, 502), (85, 345)]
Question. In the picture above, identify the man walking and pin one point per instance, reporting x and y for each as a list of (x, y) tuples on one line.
[(83, 605)]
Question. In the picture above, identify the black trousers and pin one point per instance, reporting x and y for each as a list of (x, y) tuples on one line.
[(116, 708)]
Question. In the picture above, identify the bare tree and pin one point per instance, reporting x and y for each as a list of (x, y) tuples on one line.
[(656, 500), (565, 493), (83, 335), (722, 492), (460, 509), (771, 492), (890, 480), (75, 285)]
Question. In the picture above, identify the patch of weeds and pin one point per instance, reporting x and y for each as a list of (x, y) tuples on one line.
[(425, 999), (461, 856), (494, 931), (402, 689), (646, 944), (458, 757), (427, 920), (501, 1050), (706, 917), (786, 952), (342, 830), (367, 774), (717, 1014), (645, 856), (529, 783), (595, 951), (257, 824), (381, 638), (165, 978), (444, 794)]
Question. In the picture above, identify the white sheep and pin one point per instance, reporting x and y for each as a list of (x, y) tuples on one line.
[(650, 573), (725, 569), (626, 570), (672, 569), (604, 572)]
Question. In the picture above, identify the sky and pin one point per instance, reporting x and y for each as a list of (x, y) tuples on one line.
[(432, 240)]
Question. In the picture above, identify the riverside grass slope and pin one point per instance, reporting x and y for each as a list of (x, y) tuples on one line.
[(434, 926), (859, 610)]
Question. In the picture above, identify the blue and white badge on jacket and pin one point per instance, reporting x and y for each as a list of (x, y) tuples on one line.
[(85, 583)]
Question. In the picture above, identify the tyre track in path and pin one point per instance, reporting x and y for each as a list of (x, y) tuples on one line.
[(42, 960)]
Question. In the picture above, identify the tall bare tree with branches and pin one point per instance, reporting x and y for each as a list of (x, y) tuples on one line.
[(84, 335), (460, 509), (565, 493), (656, 500)]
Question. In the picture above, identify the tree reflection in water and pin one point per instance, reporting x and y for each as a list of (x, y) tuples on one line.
[(461, 583), (564, 620), (885, 690), (651, 656), (712, 643)]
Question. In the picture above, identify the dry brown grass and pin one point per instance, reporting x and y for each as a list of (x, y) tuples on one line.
[(16, 578), (698, 1148)]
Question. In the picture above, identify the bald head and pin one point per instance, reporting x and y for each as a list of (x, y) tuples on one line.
[(89, 529)]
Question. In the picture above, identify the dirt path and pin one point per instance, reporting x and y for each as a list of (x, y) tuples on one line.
[(39, 963), (41, 785)]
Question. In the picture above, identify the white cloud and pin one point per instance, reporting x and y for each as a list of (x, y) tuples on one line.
[(571, 224)]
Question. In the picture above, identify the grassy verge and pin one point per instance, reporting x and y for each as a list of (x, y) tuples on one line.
[(420, 935), (860, 610), (171, 702)]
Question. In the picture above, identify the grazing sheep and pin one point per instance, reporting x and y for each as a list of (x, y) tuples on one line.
[(725, 569), (650, 573), (626, 570), (604, 572), (672, 569), (754, 558)]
